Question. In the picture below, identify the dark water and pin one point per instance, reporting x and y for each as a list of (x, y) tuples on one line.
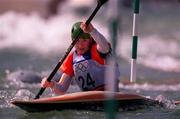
[(156, 114)]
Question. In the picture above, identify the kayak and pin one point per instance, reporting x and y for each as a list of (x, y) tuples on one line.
[(90, 100)]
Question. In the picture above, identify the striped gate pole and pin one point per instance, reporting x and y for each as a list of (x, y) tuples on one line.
[(136, 4)]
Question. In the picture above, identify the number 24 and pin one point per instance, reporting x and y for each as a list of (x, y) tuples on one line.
[(89, 81)]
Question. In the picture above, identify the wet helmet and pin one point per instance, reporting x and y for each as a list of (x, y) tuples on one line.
[(75, 31)]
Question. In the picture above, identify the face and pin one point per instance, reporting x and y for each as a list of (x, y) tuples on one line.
[(83, 45)]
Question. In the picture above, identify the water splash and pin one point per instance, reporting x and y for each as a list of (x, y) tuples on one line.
[(167, 103), (23, 94), (33, 32)]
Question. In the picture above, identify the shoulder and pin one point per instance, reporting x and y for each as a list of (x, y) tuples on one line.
[(96, 52), (95, 55), (69, 58), (67, 66)]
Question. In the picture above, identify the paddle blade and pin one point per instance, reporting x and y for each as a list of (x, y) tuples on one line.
[(101, 2)]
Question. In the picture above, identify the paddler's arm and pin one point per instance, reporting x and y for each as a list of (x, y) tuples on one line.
[(103, 46), (58, 87), (63, 84)]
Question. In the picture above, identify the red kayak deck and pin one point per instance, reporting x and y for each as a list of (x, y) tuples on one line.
[(90, 100)]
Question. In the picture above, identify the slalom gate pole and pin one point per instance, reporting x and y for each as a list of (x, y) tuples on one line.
[(112, 85), (136, 4)]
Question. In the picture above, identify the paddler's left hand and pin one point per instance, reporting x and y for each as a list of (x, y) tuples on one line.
[(46, 84), (85, 28)]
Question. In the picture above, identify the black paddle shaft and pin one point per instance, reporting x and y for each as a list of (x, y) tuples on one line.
[(100, 3)]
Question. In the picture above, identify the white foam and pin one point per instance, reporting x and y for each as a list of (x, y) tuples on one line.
[(151, 87), (154, 52), (34, 33), (54, 35)]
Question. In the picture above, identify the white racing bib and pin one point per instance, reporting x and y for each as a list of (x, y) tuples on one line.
[(88, 73)]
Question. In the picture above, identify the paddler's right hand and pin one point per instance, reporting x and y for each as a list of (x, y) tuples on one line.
[(85, 28), (46, 84)]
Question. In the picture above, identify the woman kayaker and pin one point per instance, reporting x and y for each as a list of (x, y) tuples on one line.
[(87, 63)]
